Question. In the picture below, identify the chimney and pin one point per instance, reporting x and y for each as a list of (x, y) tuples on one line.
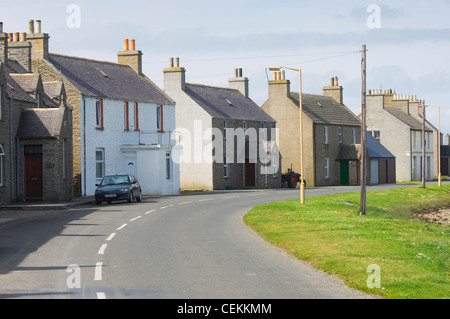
[(3, 44), (20, 49), (131, 56), (334, 90), (174, 76), (38, 41), (402, 102), (239, 82), (279, 87)]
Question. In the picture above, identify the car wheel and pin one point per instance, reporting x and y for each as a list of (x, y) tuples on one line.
[(130, 198), (139, 198)]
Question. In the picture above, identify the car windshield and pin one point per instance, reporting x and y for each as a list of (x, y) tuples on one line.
[(115, 180)]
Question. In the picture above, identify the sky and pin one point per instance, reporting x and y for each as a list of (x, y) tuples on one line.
[(408, 42)]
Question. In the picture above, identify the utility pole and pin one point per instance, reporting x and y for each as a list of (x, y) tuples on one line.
[(363, 132), (423, 143)]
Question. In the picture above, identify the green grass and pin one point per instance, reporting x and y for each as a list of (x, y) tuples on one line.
[(329, 233)]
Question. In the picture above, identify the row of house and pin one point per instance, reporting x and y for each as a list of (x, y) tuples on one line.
[(65, 122)]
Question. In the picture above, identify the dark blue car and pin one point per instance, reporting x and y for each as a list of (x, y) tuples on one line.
[(118, 187)]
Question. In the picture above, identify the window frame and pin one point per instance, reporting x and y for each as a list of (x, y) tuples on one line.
[(226, 172), (168, 166), (126, 116), (160, 118), (99, 124), (102, 161), (341, 134), (2, 155), (325, 132), (327, 167)]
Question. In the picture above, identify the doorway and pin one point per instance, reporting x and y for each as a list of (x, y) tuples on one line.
[(33, 172)]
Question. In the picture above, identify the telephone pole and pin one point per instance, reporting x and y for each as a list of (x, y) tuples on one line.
[(423, 144), (363, 132)]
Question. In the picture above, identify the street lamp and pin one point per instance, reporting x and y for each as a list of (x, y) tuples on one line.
[(439, 143), (302, 183)]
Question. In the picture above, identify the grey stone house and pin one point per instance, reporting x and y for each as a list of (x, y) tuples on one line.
[(392, 119), (35, 130), (209, 117)]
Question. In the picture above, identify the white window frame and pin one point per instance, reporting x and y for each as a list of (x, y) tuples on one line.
[(98, 114), (158, 117), (326, 134), (327, 167), (2, 155), (168, 166), (225, 126), (101, 161), (354, 135), (341, 139), (225, 168)]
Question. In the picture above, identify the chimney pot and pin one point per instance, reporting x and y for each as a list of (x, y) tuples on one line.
[(23, 37), (236, 73), (1, 27), (16, 36), (133, 45), (283, 74), (126, 45), (336, 81), (240, 72), (38, 26), (177, 62), (10, 37), (31, 26), (171, 62), (332, 81)]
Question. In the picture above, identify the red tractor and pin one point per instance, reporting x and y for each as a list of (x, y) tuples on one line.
[(292, 178)]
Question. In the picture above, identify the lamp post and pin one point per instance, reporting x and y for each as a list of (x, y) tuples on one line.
[(302, 183), (439, 143)]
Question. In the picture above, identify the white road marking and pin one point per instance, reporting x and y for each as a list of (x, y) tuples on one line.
[(231, 196), (122, 227), (111, 236), (204, 200), (98, 271), (101, 251), (101, 295), (150, 211), (133, 219), (184, 203), (163, 207)]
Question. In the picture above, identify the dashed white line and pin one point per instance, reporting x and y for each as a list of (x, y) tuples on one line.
[(111, 236), (231, 197), (149, 212), (101, 251), (136, 218), (204, 200), (163, 207), (101, 295), (122, 227), (98, 271), (184, 203)]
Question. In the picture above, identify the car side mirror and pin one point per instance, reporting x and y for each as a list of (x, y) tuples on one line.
[(97, 184)]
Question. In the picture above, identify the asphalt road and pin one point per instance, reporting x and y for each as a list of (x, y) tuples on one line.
[(178, 247)]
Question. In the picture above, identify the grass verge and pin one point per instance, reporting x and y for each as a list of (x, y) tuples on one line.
[(330, 234)]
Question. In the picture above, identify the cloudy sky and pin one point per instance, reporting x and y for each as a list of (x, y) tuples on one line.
[(408, 42)]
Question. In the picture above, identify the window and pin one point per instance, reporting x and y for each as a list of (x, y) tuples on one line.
[(244, 125), (168, 166), (354, 135), (136, 116), (263, 131), (375, 134), (99, 163), (126, 116), (225, 126), (326, 134), (340, 134), (159, 118), (99, 114), (2, 155), (327, 167), (64, 158), (225, 167)]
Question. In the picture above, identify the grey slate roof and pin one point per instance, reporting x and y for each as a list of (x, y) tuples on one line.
[(325, 110), (348, 152), (108, 80), (407, 119), (226, 103), (375, 149), (13, 89), (40, 123)]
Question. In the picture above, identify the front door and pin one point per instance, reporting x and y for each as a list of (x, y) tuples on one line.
[(345, 178), (33, 166), (249, 174)]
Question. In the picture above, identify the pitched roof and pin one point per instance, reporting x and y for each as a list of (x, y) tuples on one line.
[(407, 119), (40, 123), (325, 110), (108, 80), (375, 149), (348, 152), (226, 103), (13, 88)]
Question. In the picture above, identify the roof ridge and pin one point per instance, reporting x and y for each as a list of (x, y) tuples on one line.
[(88, 59), (212, 86)]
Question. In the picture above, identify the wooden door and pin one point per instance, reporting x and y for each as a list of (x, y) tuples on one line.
[(33, 167), (250, 174), (344, 172)]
